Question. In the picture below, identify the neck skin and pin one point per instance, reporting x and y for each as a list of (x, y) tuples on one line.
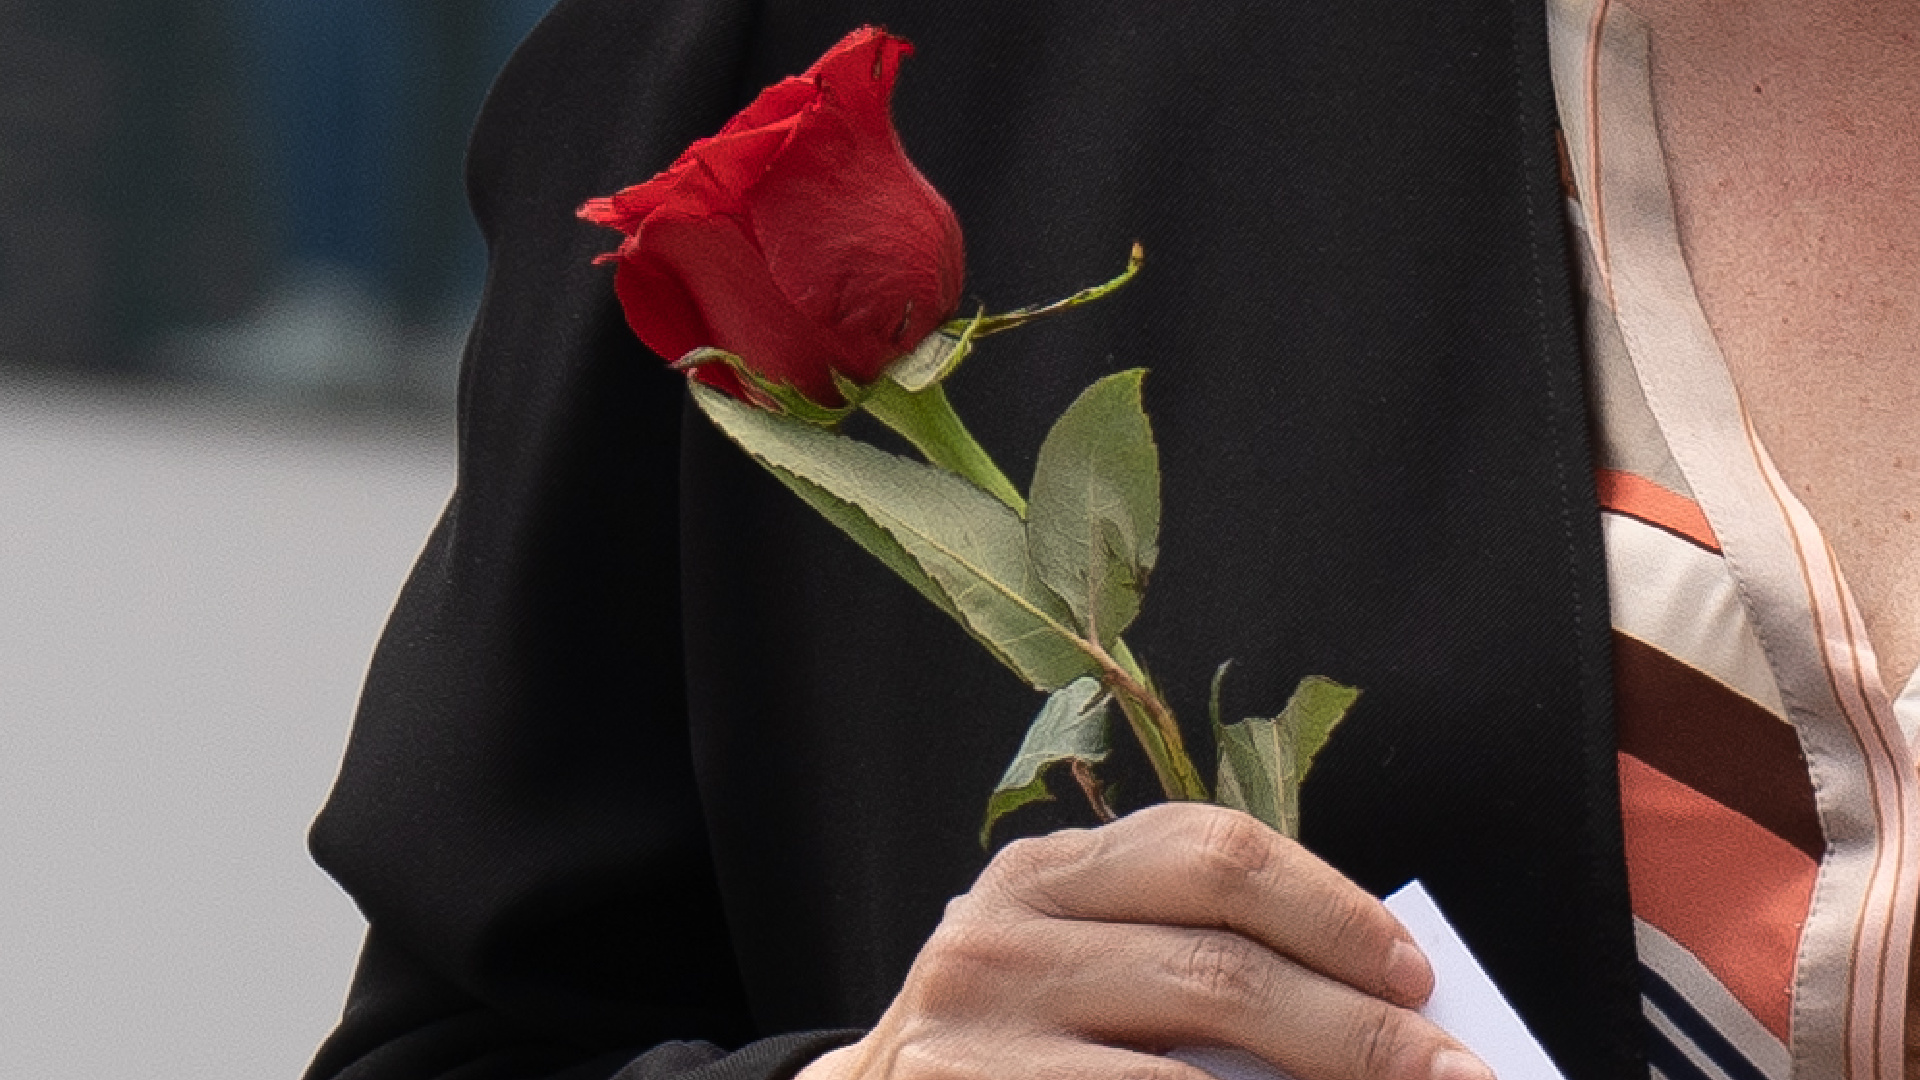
[(1789, 130)]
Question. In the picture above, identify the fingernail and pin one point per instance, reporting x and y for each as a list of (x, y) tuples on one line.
[(1409, 979), (1458, 1065)]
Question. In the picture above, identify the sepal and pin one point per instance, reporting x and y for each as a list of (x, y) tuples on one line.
[(778, 397), (938, 356), (942, 351), (994, 324)]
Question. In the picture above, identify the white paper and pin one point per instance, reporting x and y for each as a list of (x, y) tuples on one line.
[(1465, 1004)]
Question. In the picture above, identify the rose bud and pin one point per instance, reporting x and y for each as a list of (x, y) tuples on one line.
[(800, 239)]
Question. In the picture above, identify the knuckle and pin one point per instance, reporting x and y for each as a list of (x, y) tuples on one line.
[(1223, 966), (1025, 858), (1018, 858), (959, 909), (914, 1061), (1029, 871), (968, 945), (1350, 927), (1381, 1039), (960, 970), (1235, 849), (932, 1059)]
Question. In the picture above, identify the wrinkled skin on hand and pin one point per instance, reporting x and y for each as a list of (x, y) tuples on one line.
[(1089, 953)]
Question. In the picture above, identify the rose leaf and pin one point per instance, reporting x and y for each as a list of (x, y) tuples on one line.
[(1071, 726), (951, 540), (1264, 762), (1093, 519), (879, 543)]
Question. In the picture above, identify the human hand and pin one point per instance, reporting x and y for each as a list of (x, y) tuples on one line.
[(1087, 953)]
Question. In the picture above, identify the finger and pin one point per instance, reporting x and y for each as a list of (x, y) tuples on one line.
[(1190, 864), (1160, 987), (965, 1055)]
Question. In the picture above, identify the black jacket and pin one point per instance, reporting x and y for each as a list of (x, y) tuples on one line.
[(649, 752)]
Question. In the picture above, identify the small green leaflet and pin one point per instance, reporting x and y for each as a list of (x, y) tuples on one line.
[(1093, 520), (1264, 762), (1071, 726), (936, 357), (962, 548), (927, 364)]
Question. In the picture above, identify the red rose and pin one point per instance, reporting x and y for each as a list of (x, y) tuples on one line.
[(800, 238)]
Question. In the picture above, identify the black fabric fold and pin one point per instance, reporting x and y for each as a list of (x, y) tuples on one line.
[(776, 1058)]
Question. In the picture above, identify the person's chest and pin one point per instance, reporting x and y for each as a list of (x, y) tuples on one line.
[(1825, 350), (1796, 179), (1849, 449)]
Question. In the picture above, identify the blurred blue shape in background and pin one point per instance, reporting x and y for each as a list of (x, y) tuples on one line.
[(333, 78), (261, 195)]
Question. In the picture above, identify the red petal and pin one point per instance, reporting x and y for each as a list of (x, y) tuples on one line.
[(713, 172), (722, 378), (658, 307), (853, 235), (776, 103), (721, 172), (863, 65), (725, 277), (626, 209), (602, 212)]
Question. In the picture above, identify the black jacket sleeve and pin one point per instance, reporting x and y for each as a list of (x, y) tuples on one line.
[(515, 814)]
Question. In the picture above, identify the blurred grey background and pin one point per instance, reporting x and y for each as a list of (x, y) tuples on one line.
[(236, 269)]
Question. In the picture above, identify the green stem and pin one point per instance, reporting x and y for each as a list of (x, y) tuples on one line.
[(1153, 724), (1149, 738), (927, 420)]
